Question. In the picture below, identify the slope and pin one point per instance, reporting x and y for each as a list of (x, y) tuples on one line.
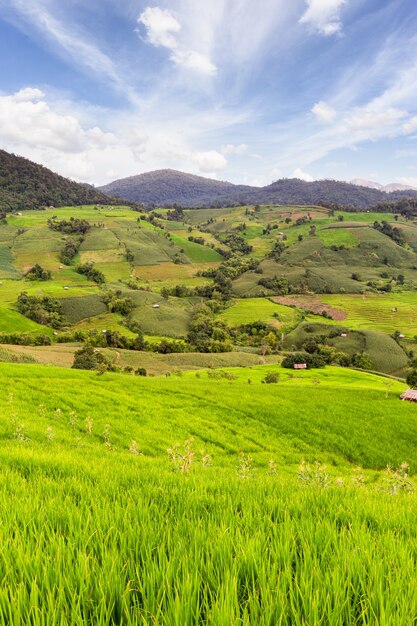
[(27, 185)]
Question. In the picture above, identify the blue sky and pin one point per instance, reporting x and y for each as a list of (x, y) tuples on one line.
[(235, 89)]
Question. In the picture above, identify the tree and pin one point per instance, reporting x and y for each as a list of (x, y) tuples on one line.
[(38, 273), (412, 378), (89, 358)]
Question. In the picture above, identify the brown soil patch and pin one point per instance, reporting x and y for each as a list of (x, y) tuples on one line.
[(311, 303)]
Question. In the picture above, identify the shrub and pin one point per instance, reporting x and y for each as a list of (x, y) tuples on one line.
[(88, 269), (38, 273), (271, 377), (89, 358)]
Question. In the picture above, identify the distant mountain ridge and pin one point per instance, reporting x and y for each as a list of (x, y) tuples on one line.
[(168, 187), (27, 185), (387, 188)]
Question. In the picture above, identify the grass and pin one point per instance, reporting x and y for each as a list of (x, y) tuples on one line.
[(385, 353), (375, 311), (251, 310), (93, 532)]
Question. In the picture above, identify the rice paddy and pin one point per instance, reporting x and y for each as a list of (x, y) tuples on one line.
[(101, 525)]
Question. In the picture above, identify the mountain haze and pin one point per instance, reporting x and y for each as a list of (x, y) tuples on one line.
[(387, 188), (168, 187)]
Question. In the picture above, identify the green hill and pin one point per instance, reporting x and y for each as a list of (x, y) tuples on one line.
[(100, 524), (27, 185)]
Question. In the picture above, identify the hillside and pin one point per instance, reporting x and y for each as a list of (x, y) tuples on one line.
[(219, 287), (168, 187), (27, 185), (185, 500)]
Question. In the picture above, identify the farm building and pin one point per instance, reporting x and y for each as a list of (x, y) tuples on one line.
[(410, 395), (155, 306), (300, 366)]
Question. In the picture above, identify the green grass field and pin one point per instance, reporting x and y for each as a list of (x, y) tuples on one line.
[(249, 310), (376, 311), (97, 527)]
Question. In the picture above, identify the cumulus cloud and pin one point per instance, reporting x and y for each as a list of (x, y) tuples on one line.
[(42, 130), (210, 162), (323, 112), (299, 173), (28, 120), (162, 29), (239, 149), (324, 16)]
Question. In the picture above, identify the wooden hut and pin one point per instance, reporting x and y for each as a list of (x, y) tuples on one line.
[(410, 395)]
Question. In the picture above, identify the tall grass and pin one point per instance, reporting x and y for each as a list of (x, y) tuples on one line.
[(100, 525)]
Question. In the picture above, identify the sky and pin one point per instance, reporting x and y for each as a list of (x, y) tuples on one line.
[(231, 89)]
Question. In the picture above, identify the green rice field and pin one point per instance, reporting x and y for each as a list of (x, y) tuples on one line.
[(100, 524)]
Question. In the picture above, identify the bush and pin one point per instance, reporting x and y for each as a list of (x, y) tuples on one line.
[(88, 269), (38, 273), (412, 379), (89, 358), (271, 377)]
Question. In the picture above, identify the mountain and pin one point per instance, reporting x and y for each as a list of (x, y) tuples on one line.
[(168, 187), (172, 187), (387, 188), (27, 185)]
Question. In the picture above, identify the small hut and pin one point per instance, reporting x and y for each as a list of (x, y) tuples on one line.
[(410, 395), (300, 366)]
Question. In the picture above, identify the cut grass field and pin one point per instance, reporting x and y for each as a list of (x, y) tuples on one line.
[(97, 528)]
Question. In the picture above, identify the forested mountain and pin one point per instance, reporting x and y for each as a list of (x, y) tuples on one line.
[(168, 187), (173, 187), (27, 185)]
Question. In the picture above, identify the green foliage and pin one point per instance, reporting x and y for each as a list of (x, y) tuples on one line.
[(412, 378), (73, 226), (43, 310), (38, 273), (89, 358), (117, 303), (311, 360), (270, 378), (27, 185), (92, 273)]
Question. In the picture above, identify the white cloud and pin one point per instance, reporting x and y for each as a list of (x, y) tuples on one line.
[(276, 173), (324, 16), (162, 29), (160, 26), (411, 126), (324, 112), (37, 128), (299, 173), (210, 162), (239, 149), (28, 120), (372, 120)]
